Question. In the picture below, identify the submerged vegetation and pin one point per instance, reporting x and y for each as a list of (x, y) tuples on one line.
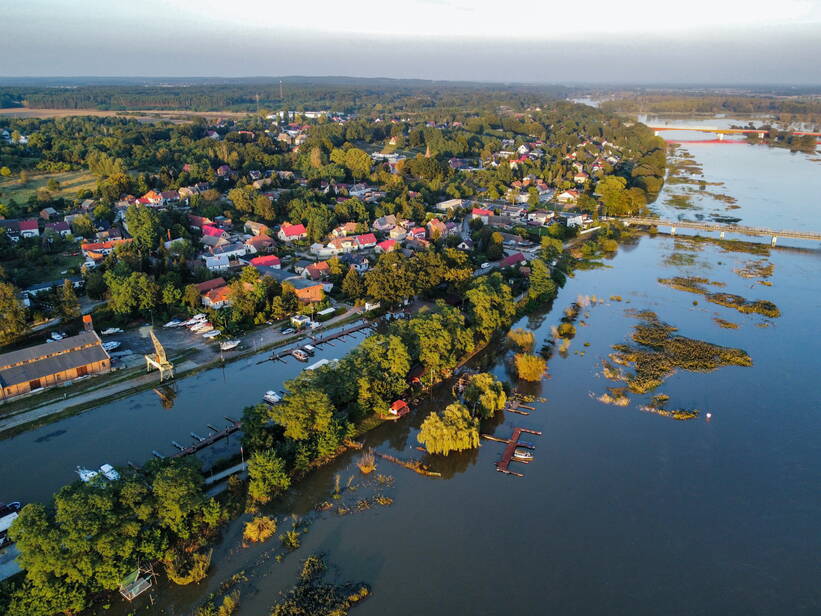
[(657, 407), (454, 430), (529, 367), (312, 596), (658, 353), (521, 339), (695, 284)]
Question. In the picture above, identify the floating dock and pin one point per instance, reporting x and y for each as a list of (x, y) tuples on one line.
[(503, 465)]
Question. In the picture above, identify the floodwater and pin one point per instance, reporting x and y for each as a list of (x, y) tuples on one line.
[(622, 511)]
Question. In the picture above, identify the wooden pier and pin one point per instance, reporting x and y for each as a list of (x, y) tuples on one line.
[(317, 339), (512, 443), (203, 442)]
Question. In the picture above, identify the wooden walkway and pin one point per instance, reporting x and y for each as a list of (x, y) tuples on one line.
[(512, 443), (721, 229), (203, 442)]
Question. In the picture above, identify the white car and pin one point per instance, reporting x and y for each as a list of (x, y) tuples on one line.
[(485, 265)]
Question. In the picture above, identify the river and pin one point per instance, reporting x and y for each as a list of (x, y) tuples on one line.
[(622, 511)]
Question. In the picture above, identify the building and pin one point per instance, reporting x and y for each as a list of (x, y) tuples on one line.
[(47, 365), (289, 233), (450, 204), (307, 291), (480, 213)]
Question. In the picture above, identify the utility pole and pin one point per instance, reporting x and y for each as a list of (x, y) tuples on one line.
[(280, 90)]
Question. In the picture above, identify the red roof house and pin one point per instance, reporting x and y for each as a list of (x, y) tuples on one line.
[(289, 233)]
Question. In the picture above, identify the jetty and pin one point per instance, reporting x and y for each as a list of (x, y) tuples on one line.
[(318, 339), (503, 465), (203, 442)]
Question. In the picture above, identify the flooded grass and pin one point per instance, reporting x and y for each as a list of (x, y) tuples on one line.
[(756, 269), (725, 324), (695, 284), (616, 396), (658, 353), (311, 595)]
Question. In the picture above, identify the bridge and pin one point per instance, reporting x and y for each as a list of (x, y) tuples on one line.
[(725, 131), (721, 229)]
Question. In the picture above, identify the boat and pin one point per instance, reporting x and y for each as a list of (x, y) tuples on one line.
[(57, 336), (172, 323), (229, 345), (86, 474), (300, 354), (520, 453), (201, 326), (110, 346), (109, 472), (111, 330), (213, 333), (199, 317), (8, 513), (309, 349), (271, 397)]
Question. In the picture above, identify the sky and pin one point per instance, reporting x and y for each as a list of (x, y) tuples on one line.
[(537, 41)]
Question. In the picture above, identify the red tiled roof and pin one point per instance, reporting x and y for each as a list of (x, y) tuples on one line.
[(512, 260), (293, 230), (269, 260), (29, 224), (477, 211), (212, 231), (209, 285), (387, 245), (366, 238)]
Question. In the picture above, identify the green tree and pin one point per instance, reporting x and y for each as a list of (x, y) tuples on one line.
[(267, 475), (541, 284), (485, 395), (68, 302), (12, 314), (352, 284), (303, 412), (178, 490), (454, 430), (529, 367), (144, 226), (389, 281)]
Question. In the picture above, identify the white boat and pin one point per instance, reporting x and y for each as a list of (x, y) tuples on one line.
[(110, 346), (86, 474), (57, 336), (199, 317), (271, 397), (309, 349), (229, 344), (201, 326), (109, 472), (111, 330), (300, 354), (520, 453), (172, 323), (212, 334)]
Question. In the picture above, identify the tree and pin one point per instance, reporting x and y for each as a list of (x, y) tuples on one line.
[(541, 283), (551, 247), (455, 430), (69, 305), (191, 296), (529, 367), (82, 226), (485, 395), (267, 475), (5, 172), (178, 490), (495, 246), (358, 162), (304, 411), (352, 284), (144, 226), (389, 281), (130, 293), (12, 314)]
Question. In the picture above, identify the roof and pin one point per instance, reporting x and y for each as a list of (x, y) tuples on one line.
[(212, 231), (512, 260), (302, 283), (220, 294), (58, 226), (267, 260), (214, 283), (387, 245), (259, 239), (477, 211), (29, 224), (53, 365), (41, 350), (366, 238), (293, 230)]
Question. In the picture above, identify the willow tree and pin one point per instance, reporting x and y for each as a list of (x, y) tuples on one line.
[(454, 430), (485, 395)]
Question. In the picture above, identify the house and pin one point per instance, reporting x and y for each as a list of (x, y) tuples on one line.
[(317, 271), (60, 227), (152, 197), (568, 196), (198, 222), (29, 228), (581, 177), (290, 233), (436, 229), (260, 243), (540, 217), (397, 233), (35, 290), (169, 196), (513, 260), (214, 232), (357, 261), (307, 291), (223, 171), (47, 213), (366, 240), (216, 263), (217, 298), (256, 228), (572, 219), (399, 408), (466, 245), (88, 204), (481, 214), (232, 249), (386, 246), (413, 243), (11, 229), (45, 365), (418, 232), (349, 228), (98, 250), (267, 261), (450, 204), (384, 223)]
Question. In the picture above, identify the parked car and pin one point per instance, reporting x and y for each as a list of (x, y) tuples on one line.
[(287, 331)]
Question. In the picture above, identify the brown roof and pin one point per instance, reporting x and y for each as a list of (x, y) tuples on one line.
[(52, 365), (44, 350), (214, 283)]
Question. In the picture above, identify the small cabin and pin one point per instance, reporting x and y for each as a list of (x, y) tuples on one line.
[(399, 408)]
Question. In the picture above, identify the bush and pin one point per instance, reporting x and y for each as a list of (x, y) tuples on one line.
[(566, 330), (523, 339), (259, 529), (186, 568), (529, 367)]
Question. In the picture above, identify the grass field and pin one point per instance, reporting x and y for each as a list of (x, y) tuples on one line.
[(146, 115), (71, 183)]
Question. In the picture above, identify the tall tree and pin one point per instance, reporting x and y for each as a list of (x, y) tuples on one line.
[(12, 314)]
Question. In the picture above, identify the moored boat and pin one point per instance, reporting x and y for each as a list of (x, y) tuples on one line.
[(229, 345), (300, 354), (271, 397), (8, 513)]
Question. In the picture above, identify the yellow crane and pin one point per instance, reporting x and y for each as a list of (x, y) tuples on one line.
[(158, 359)]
